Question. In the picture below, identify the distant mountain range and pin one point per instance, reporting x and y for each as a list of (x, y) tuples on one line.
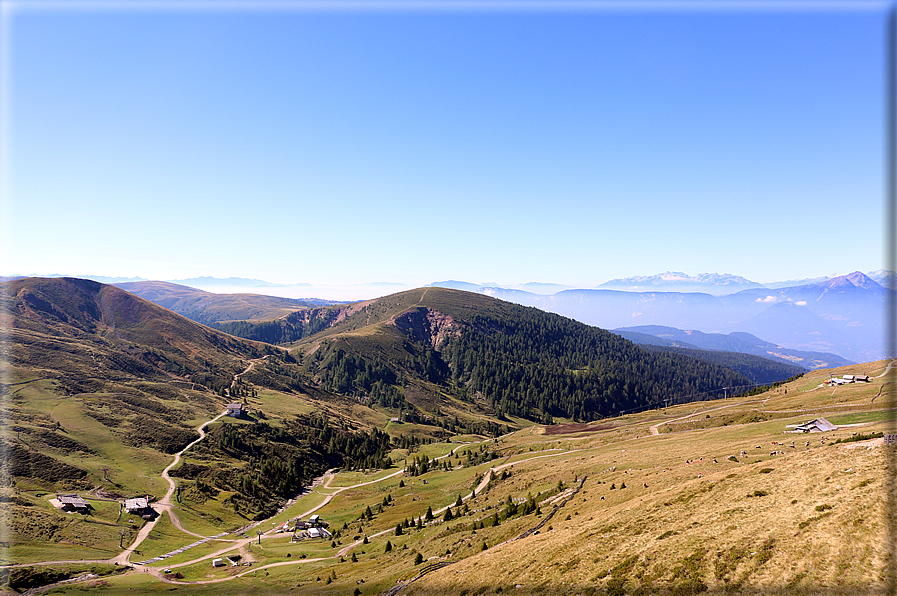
[(841, 315), (712, 283), (740, 342)]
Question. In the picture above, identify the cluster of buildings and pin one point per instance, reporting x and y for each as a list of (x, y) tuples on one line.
[(847, 379), (315, 527), (139, 506)]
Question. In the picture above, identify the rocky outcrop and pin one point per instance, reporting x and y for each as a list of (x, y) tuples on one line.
[(427, 325)]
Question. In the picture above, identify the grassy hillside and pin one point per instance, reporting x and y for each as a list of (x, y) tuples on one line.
[(719, 501), (706, 497), (208, 308), (98, 377), (90, 332)]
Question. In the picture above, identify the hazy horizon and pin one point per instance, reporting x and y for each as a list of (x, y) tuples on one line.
[(358, 291)]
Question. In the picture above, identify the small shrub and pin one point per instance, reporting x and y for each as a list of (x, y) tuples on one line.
[(666, 534), (732, 458), (766, 470), (766, 553), (859, 437), (758, 493), (823, 507)]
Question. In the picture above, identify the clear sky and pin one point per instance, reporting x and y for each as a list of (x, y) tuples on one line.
[(333, 144)]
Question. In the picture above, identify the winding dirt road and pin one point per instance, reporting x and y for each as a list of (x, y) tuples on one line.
[(164, 504), (654, 429)]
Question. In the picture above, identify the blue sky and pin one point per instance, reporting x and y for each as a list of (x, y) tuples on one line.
[(336, 146)]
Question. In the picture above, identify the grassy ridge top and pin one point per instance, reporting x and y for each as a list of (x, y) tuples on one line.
[(207, 307), (113, 320)]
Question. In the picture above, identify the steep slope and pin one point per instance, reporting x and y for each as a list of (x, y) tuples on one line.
[(519, 361)]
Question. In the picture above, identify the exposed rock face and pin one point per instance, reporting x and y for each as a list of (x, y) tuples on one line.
[(313, 320), (427, 325)]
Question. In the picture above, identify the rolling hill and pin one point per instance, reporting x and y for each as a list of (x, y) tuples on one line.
[(520, 361), (68, 326), (208, 308)]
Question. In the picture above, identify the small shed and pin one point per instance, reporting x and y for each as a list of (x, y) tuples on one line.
[(140, 506), (314, 520), (218, 562), (137, 504), (235, 410), (318, 533), (74, 503), (818, 425)]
